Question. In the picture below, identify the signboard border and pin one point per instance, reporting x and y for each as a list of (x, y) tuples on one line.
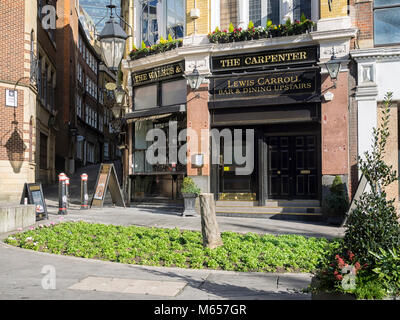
[(147, 71), (27, 192), (268, 65)]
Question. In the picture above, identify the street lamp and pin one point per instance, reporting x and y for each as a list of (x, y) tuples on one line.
[(112, 42), (119, 95), (333, 67), (116, 110), (195, 79)]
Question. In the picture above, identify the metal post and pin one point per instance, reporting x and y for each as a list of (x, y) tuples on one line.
[(84, 192), (62, 194), (67, 190)]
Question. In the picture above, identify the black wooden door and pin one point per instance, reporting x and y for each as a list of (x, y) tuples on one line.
[(292, 167)]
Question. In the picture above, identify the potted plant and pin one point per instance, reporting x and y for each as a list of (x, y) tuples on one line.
[(189, 193)]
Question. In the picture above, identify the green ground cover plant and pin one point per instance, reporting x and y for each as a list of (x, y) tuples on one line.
[(176, 248)]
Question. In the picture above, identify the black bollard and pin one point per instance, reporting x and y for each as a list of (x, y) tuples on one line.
[(84, 192), (62, 194), (67, 190)]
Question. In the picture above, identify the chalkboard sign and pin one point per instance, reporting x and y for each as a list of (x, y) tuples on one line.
[(107, 179), (34, 194)]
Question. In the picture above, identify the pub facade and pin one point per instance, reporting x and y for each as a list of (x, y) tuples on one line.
[(267, 127)]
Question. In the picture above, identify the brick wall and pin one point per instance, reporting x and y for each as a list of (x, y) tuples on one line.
[(338, 8), (202, 23), (364, 21), (12, 16)]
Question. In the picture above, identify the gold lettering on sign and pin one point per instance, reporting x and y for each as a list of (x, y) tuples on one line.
[(273, 58), (141, 78), (226, 63), (289, 83)]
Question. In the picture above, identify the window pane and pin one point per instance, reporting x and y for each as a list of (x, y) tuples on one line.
[(174, 92), (380, 3), (175, 18), (273, 8), (387, 26), (300, 7), (145, 97), (149, 22), (255, 12)]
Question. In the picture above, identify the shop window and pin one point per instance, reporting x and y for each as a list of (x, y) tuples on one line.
[(145, 97), (140, 145), (386, 22), (174, 92)]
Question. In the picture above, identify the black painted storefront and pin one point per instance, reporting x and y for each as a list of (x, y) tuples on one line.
[(276, 93)]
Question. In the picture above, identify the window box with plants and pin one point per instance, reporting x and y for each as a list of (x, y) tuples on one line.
[(162, 46), (189, 193), (233, 34)]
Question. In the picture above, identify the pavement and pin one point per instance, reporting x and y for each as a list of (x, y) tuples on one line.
[(27, 274)]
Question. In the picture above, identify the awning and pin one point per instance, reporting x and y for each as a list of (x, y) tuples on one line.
[(154, 113), (160, 116)]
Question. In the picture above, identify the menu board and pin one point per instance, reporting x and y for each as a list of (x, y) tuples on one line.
[(33, 192), (107, 180)]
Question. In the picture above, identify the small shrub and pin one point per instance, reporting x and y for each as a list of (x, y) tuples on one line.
[(188, 186), (373, 224)]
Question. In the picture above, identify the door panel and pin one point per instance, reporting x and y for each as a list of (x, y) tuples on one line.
[(292, 169)]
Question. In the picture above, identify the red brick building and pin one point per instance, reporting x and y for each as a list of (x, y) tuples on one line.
[(27, 65)]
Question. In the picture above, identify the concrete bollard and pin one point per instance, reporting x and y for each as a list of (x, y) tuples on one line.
[(62, 194), (84, 192)]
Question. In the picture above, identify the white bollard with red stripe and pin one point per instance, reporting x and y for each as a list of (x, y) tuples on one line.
[(84, 192), (62, 194)]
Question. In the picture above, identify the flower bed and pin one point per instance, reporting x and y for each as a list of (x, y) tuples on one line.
[(254, 33), (176, 248)]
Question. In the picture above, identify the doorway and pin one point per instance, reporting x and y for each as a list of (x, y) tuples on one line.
[(292, 167)]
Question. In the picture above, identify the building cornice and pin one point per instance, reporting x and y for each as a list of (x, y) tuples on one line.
[(200, 47), (330, 35), (376, 54)]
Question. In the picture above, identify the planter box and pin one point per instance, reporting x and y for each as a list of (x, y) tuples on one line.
[(189, 200)]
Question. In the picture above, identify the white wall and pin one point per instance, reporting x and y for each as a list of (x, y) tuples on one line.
[(387, 78)]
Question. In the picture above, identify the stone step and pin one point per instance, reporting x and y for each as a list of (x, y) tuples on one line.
[(315, 217), (270, 203), (257, 209)]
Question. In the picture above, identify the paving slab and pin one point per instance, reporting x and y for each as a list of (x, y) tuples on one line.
[(21, 278)]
